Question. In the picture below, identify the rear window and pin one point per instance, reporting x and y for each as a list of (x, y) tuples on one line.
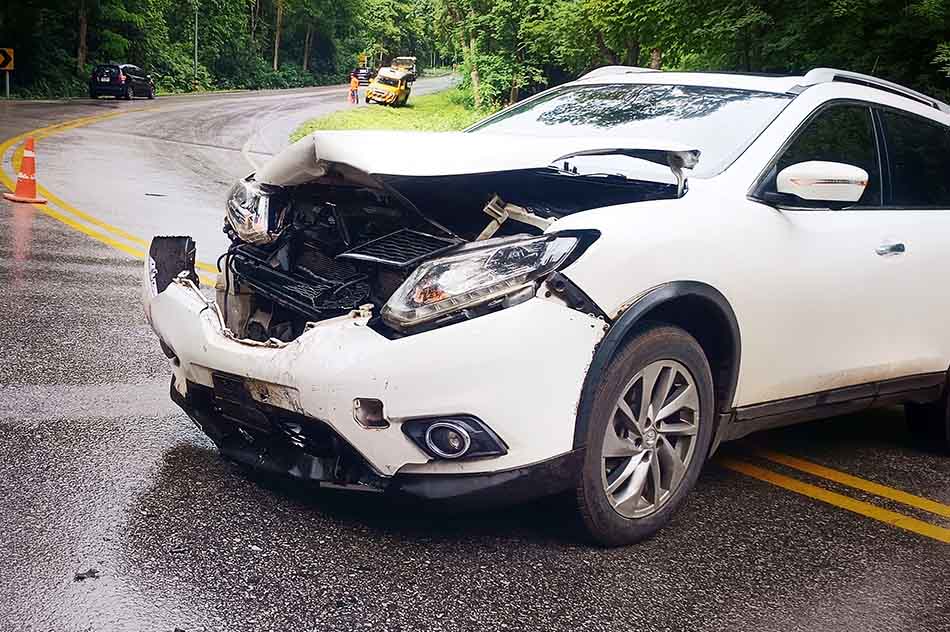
[(108, 71), (919, 155)]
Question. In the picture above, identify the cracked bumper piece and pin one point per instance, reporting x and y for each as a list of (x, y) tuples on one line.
[(278, 406), (334, 464)]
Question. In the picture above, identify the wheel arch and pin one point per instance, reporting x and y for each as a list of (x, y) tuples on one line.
[(699, 309)]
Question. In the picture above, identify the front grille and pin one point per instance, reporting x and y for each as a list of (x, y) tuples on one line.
[(317, 296), (311, 262), (401, 249)]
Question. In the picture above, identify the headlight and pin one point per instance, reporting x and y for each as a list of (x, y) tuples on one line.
[(250, 210), (491, 271)]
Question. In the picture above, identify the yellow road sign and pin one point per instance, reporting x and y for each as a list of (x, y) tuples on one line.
[(6, 59), (362, 58)]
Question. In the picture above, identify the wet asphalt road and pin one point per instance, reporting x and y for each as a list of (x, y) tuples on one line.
[(98, 470)]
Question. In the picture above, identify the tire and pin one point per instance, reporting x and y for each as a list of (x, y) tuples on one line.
[(93, 95), (931, 422), (618, 499), (129, 93)]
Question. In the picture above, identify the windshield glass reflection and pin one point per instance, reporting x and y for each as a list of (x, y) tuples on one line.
[(720, 122)]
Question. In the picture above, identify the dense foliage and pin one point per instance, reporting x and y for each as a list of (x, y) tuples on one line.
[(510, 46), (241, 43), (507, 48)]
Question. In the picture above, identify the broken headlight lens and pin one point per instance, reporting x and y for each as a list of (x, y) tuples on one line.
[(250, 209), (492, 270)]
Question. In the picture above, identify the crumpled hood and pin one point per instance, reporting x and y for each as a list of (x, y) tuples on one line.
[(423, 154)]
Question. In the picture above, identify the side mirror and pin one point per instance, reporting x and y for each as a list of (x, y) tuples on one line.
[(820, 181)]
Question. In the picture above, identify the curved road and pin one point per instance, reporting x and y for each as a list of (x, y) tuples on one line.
[(165, 166), (116, 514)]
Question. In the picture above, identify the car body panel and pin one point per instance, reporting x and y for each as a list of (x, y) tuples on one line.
[(443, 153), (505, 368), (806, 285)]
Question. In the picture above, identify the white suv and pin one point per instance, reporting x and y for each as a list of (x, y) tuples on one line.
[(589, 290)]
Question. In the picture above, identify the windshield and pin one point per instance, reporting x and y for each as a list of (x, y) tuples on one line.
[(720, 122), (388, 81)]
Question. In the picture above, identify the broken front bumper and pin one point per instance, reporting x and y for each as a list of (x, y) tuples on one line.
[(519, 370)]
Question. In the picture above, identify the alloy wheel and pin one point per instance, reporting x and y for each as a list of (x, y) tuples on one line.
[(650, 439)]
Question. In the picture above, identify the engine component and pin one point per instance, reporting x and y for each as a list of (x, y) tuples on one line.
[(326, 289), (401, 249)]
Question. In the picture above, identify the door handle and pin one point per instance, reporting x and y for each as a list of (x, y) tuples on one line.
[(886, 250)]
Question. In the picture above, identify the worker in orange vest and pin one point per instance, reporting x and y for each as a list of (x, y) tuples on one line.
[(354, 88)]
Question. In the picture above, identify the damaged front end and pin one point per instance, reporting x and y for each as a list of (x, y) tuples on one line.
[(326, 353), (314, 237)]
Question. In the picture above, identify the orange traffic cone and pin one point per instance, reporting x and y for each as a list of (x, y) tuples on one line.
[(26, 178)]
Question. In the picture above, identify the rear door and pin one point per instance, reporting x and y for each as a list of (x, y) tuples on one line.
[(917, 198), (135, 76)]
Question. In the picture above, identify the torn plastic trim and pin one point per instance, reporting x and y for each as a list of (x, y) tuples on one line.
[(157, 279), (676, 160), (360, 316), (574, 297)]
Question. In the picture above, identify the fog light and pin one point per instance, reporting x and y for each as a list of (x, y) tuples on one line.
[(369, 413), (448, 440), (454, 437)]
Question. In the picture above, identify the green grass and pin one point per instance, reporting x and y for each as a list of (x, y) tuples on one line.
[(439, 112)]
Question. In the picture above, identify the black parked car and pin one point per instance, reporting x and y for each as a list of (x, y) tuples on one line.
[(120, 81), (365, 75)]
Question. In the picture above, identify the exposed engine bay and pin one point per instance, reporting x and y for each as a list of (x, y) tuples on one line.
[(334, 249), (337, 240)]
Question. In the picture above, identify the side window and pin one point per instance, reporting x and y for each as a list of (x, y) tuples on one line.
[(841, 133), (918, 153)]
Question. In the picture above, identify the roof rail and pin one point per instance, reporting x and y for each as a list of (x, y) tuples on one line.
[(827, 75), (616, 70)]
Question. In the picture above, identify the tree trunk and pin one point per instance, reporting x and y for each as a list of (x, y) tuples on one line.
[(83, 28), (656, 58), (746, 50), (633, 53), (255, 15), (609, 56), (515, 88), (277, 25), (472, 44), (306, 47), (476, 85)]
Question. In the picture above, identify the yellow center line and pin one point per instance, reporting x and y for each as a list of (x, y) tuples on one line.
[(68, 209), (860, 507), (871, 487)]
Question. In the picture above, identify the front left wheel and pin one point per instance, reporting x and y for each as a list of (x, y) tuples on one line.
[(648, 435)]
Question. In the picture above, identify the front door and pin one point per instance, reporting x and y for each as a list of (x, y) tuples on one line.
[(839, 314)]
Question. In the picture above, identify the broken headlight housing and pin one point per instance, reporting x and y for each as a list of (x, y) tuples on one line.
[(254, 210), (492, 271)]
